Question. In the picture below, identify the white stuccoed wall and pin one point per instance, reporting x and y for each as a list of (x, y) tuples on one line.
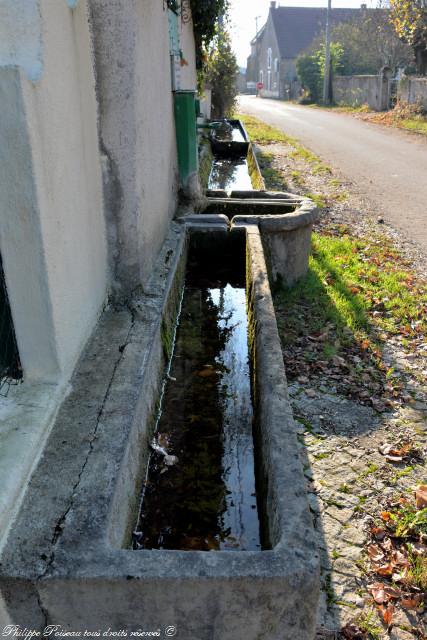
[(187, 72), (20, 36), (137, 133), (52, 228)]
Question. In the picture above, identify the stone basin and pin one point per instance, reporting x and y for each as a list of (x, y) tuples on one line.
[(285, 220), (69, 560)]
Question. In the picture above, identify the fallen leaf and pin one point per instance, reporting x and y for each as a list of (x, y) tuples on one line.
[(421, 496), (386, 614), (398, 559), (413, 602), (375, 553), (206, 373), (395, 454), (170, 460), (338, 361), (392, 592), (401, 576), (378, 533), (378, 593), (378, 405), (419, 549), (390, 458), (383, 570), (384, 593), (387, 545), (385, 449), (319, 338)]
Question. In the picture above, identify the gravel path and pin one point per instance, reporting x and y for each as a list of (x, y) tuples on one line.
[(349, 481), (388, 166)]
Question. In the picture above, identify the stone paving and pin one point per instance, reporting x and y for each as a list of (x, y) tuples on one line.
[(348, 479)]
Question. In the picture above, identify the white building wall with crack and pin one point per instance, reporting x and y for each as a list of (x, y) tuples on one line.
[(137, 133), (52, 228), (188, 74)]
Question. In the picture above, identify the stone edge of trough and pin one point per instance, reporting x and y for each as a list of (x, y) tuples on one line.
[(47, 542)]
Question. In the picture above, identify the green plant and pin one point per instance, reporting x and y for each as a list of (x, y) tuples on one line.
[(417, 574), (372, 468), (220, 72), (309, 73), (205, 14), (409, 521), (311, 68), (344, 488), (368, 622)]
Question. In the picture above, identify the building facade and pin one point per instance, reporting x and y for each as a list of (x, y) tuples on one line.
[(274, 50)]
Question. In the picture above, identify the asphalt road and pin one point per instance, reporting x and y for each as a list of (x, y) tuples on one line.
[(388, 166)]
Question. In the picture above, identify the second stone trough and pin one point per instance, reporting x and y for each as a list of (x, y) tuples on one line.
[(284, 219)]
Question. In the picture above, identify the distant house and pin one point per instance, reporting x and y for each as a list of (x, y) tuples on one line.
[(287, 32)]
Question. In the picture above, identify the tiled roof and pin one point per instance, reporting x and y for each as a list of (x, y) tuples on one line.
[(297, 26)]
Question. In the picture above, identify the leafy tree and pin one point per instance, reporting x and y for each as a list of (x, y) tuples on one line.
[(221, 74), (409, 18), (370, 43), (205, 15), (311, 68), (309, 74)]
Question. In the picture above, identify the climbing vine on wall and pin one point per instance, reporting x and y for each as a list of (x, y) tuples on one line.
[(205, 15)]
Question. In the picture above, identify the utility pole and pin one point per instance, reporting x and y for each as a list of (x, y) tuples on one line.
[(327, 75)]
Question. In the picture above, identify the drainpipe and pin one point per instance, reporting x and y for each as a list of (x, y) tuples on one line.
[(186, 134)]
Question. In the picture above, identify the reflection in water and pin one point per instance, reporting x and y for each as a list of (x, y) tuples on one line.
[(230, 174), (206, 499), (228, 132)]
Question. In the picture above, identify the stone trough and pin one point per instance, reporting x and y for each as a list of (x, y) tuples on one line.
[(229, 139), (285, 219), (69, 560)]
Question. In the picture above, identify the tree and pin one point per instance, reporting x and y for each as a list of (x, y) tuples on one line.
[(311, 68), (205, 15), (221, 74), (371, 43), (309, 74), (409, 18)]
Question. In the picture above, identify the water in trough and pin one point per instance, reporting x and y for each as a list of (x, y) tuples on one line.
[(229, 174), (202, 494)]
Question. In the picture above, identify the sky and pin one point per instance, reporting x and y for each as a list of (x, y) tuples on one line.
[(244, 12)]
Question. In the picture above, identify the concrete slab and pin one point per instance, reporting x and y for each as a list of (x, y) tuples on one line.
[(27, 413)]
